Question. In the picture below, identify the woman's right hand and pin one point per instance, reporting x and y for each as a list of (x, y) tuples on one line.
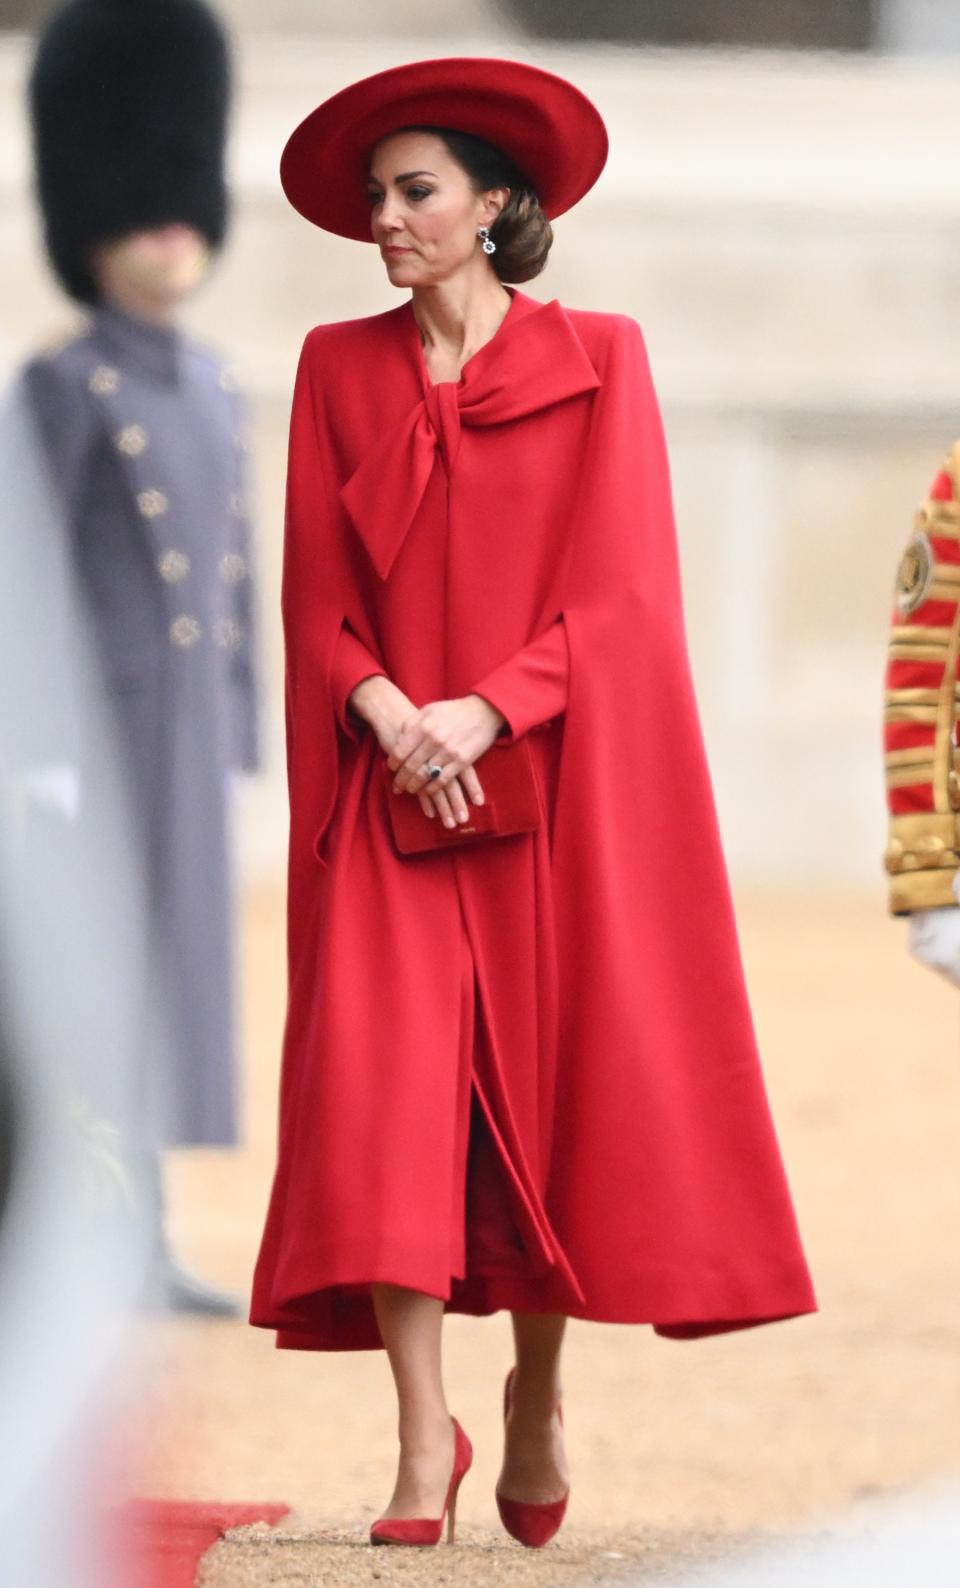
[(387, 709)]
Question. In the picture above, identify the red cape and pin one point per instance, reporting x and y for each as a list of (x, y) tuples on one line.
[(583, 984)]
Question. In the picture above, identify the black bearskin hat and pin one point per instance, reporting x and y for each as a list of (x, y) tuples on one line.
[(129, 102)]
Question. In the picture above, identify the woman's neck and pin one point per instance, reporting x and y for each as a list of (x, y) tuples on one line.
[(457, 317)]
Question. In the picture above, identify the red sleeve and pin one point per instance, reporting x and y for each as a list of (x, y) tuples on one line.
[(531, 687), (351, 663)]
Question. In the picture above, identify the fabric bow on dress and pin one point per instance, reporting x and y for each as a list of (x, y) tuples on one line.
[(529, 364)]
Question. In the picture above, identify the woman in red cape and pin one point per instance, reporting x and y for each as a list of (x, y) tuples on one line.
[(519, 1074)]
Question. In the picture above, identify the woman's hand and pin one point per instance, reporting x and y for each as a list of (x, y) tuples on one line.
[(450, 734)]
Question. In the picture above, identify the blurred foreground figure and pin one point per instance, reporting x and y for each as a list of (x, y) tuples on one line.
[(920, 729), (144, 436), (76, 978)]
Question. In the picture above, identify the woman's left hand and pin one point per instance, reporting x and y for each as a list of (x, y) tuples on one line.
[(451, 734)]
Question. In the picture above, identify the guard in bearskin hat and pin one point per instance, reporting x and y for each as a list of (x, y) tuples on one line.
[(144, 433)]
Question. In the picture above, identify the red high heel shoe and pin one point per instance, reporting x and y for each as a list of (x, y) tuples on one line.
[(529, 1523), (424, 1530)]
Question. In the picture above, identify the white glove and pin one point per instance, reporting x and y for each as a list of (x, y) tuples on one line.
[(935, 940)]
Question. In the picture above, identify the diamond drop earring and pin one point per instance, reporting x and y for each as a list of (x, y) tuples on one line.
[(489, 246)]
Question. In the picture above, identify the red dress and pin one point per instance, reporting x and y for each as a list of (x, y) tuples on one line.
[(521, 1075)]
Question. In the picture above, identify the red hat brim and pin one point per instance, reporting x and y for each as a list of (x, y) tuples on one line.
[(547, 127)]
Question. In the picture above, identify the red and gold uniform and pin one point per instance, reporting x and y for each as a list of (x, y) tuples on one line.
[(921, 756)]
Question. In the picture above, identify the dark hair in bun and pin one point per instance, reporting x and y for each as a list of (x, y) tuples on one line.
[(521, 231)]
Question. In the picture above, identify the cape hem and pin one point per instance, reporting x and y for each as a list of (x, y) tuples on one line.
[(354, 1327)]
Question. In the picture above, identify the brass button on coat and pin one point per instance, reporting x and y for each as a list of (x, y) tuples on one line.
[(131, 440), (915, 574), (152, 504), (228, 633), (104, 380), (173, 565), (185, 631), (233, 567)]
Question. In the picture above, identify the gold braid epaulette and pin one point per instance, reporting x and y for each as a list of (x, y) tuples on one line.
[(922, 763)]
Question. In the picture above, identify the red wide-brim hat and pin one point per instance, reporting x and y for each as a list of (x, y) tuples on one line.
[(548, 128)]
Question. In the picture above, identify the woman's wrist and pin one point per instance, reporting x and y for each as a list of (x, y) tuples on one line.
[(499, 720), (376, 699), (363, 696), (369, 698)]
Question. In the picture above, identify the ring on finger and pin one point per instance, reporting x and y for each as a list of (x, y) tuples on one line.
[(432, 770)]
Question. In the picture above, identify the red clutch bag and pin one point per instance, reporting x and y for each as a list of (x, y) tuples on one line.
[(511, 804)]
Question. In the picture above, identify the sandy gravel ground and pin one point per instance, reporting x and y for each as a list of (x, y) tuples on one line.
[(681, 1451)]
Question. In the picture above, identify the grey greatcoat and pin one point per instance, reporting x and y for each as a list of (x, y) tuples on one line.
[(144, 433)]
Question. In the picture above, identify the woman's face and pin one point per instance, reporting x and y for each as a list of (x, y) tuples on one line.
[(424, 213)]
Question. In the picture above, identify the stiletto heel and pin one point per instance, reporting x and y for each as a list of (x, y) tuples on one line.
[(426, 1530), (531, 1524)]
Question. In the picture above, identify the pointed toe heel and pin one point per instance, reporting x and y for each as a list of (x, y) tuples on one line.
[(530, 1524), (421, 1530)]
